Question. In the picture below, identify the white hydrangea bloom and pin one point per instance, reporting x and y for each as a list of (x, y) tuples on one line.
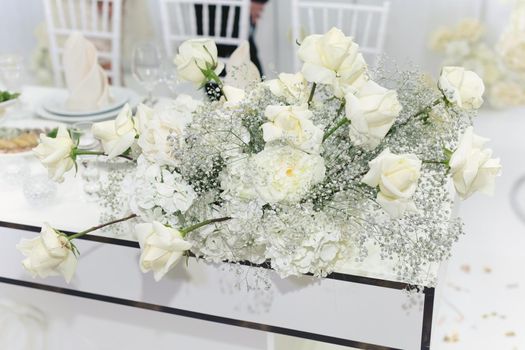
[(301, 241), (159, 192)]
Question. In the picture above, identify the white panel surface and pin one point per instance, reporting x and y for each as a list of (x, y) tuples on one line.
[(334, 308)]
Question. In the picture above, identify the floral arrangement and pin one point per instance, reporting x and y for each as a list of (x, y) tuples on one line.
[(302, 172), (500, 66)]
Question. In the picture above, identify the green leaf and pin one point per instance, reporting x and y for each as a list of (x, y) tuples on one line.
[(53, 133), (6, 95)]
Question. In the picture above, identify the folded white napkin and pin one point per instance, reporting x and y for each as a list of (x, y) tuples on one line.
[(86, 81), (240, 70)]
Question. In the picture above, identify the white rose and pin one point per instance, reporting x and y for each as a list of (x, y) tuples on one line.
[(155, 143), (397, 177), (292, 87), (143, 117), (49, 254), (461, 87), (471, 167), (194, 56), (161, 247), (333, 59), (372, 112), (285, 174), (116, 135), (232, 96), (165, 128), (55, 153), (292, 124)]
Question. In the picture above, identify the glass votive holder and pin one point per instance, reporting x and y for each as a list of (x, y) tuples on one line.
[(81, 131), (39, 190), (14, 171)]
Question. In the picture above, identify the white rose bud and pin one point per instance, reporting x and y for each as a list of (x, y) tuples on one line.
[(292, 87), (161, 247), (116, 135), (333, 59), (55, 153), (194, 56), (372, 112), (461, 87), (397, 177), (49, 254), (143, 117), (292, 124), (472, 167), (232, 96)]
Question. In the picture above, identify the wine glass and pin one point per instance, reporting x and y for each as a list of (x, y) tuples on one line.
[(169, 76), (146, 64), (11, 71)]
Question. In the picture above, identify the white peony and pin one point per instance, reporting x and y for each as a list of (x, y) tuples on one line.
[(55, 153), (294, 125), (161, 246), (196, 55), (285, 174), (372, 112), (116, 135), (333, 59), (292, 87), (397, 177), (471, 167), (49, 254), (461, 87)]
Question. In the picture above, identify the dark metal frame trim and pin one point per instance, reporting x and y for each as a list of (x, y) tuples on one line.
[(427, 311)]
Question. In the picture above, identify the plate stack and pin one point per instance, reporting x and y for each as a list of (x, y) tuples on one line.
[(54, 107)]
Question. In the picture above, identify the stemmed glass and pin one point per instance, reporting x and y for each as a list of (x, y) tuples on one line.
[(169, 76), (146, 65), (10, 71)]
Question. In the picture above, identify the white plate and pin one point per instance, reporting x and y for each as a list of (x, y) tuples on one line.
[(27, 124), (56, 103), (43, 113), (134, 99)]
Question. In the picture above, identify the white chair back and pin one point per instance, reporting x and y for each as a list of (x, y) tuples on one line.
[(366, 23), (179, 22), (98, 20)]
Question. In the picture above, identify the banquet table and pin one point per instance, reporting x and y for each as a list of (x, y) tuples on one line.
[(364, 304)]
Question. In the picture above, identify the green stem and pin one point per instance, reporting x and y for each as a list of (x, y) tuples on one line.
[(94, 228), (342, 107), (312, 92), (442, 162), (188, 229), (81, 152), (329, 133), (340, 123)]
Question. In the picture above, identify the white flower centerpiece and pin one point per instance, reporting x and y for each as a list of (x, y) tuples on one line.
[(301, 172)]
